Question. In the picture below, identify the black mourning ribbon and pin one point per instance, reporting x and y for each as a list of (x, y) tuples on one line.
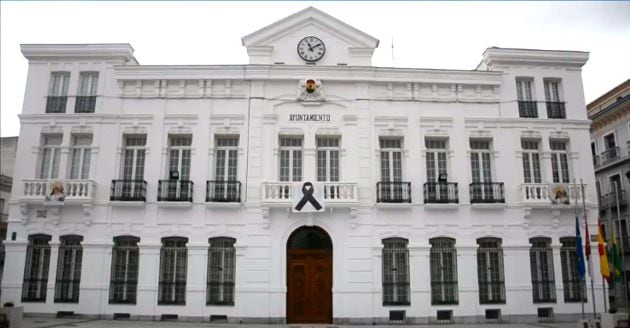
[(308, 197)]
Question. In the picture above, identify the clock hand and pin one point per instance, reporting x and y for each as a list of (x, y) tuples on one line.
[(309, 46), (317, 45)]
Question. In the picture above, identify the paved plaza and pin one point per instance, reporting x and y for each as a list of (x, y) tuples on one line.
[(32, 322)]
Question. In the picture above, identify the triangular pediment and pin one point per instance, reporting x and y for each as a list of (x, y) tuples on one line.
[(277, 43)]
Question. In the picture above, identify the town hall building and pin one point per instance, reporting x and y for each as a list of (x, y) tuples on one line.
[(307, 186)]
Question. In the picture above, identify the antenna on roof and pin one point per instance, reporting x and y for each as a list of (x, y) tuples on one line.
[(393, 60)]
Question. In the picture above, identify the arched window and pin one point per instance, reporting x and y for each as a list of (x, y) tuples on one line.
[(395, 271), (490, 271), (68, 269), (173, 265), (123, 282), (443, 271), (221, 268), (541, 259), (36, 268), (570, 276)]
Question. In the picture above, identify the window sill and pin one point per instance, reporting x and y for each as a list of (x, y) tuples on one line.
[(124, 203), (395, 206), (441, 206), (397, 304), (489, 206), (220, 304), (174, 204), (223, 204)]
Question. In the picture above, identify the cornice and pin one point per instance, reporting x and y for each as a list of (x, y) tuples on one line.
[(292, 72), (105, 51), (510, 56)]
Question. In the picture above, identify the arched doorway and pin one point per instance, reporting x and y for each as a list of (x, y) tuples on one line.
[(309, 276)]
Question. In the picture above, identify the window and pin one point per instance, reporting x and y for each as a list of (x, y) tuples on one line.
[(226, 158), (480, 160), (173, 264), (133, 158), (88, 81), (524, 89), (391, 159), (36, 269), (124, 275), (50, 153), (552, 90), (541, 264), (327, 159), (395, 272), (69, 269), (443, 271), (81, 155), (57, 92), (570, 276), (531, 161), (290, 159), (221, 268), (86, 99), (179, 156), (526, 105), (490, 271), (559, 161), (611, 151), (436, 158)]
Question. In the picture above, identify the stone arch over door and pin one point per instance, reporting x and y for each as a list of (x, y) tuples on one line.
[(309, 276)]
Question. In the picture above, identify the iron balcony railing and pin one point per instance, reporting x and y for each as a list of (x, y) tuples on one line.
[(610, 155), (129, 190), (175, 191), (223, 191), (393, 192), (56, 104), (487, 192), (611, 199), (527, 109), (441, 192), (555, 109), (85, 104)]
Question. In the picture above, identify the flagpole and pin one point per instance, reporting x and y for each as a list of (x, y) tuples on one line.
[(611, 259), (604, 292), (625, 281), (582, 280), (590, 266)]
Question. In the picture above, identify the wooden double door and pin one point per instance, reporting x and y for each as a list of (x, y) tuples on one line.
[(309, 286)]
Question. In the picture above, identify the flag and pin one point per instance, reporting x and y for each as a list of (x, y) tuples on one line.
[(578, 250), (616, 258), (587, 249), (603, 257)]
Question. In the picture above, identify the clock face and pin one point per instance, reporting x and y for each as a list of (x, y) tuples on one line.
[(311, 49)]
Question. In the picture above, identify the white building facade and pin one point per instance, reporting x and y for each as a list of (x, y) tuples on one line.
[(163, 192)]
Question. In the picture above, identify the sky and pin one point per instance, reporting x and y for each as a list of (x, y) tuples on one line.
[(447, 35)]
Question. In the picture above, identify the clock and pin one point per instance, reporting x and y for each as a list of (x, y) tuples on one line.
[(311, 49)]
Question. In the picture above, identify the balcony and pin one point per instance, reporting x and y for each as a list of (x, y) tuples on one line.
[(611, 199), (441, 193), (85, 104), (129, 190), (175, 191), (69, 191), (555, 109), (527, 109), (56, 104), (544, 194), (486, 192), (335, 193), (223, 191), (610, 155), (393, 192)]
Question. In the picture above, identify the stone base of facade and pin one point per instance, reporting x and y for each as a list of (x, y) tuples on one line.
[(522, 318)]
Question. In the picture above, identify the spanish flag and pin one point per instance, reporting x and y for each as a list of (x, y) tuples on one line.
[(616, 258), (603, 257)]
